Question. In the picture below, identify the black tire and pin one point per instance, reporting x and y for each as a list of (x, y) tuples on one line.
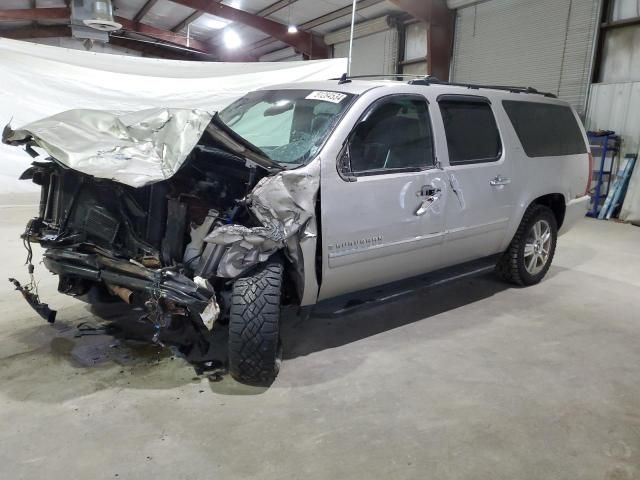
[(254, 325), (511, 266)]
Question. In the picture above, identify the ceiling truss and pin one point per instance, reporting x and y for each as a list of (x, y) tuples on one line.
[(304, 41)]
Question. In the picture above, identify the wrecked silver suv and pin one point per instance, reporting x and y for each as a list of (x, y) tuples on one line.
[(297, 194)]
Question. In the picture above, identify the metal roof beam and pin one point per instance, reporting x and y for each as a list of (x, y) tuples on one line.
[(34, 14), (33, 4), (28, 14), (303, 41), (274, 7), (144, 10), (163, 35), (36, 32), (154, 49), (187, 21), (57, 31), (341, 12)]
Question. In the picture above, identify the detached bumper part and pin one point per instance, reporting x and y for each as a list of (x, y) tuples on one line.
[(33, 299), (122, 279), (129, 278)]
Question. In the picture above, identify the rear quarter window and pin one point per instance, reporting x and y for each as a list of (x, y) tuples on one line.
[(544, 129)]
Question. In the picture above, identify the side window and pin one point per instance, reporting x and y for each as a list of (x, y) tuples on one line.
[(545, 129), (393, 135), (471, 130)]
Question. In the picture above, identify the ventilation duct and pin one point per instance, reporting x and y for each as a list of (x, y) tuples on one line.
[(92, 19)]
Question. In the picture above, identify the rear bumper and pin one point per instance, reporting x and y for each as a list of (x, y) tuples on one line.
[(575, 210)]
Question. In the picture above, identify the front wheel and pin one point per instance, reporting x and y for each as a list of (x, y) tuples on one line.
[(254, 325), (531, 251)]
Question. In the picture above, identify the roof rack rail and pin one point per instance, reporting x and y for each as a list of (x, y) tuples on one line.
[(346, 79), (431, 80)]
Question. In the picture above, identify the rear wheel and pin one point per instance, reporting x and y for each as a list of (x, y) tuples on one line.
[(254, 325), (531, 251)]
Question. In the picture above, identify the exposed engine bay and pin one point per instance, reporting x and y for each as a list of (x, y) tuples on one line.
[(170, 248)]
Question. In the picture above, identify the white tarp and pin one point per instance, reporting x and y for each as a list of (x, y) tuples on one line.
[(37, 81)]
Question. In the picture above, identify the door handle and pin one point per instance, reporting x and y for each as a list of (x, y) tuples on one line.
[(499, 181), (427, 202)]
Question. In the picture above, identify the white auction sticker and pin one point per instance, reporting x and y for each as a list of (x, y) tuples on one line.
[(333, 97)]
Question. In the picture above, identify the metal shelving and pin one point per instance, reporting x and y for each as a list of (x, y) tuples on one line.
[(605, 145)]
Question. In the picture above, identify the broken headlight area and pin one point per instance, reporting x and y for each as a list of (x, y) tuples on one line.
[(144, 245), (170, 248)]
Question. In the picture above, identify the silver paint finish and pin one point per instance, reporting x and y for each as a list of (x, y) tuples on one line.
[(376, 230), (134, 148)]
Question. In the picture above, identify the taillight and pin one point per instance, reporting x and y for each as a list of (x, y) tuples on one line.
[(590, 176)]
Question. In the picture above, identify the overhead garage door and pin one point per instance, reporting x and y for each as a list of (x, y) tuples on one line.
[(545, 44), (375, 47)]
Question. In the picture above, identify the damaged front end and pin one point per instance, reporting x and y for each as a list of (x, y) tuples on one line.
[(161, 209)]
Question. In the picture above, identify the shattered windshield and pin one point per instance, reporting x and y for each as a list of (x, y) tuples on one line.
[(289, 126)]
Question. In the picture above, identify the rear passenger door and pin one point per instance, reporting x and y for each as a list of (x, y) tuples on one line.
[(479, 172)]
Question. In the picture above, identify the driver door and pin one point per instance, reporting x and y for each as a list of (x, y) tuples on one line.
[(382, 215)]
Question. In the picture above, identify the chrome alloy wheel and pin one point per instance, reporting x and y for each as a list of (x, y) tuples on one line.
[(537, 247)]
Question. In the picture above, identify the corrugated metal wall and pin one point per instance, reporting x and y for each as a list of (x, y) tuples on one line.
[(375, 46), (546, 44)]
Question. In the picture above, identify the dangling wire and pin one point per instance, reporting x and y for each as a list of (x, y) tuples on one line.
[(33, 286)]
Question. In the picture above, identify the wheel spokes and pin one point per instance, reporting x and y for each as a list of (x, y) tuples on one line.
[(536, 230), (546, 235), (529, 249), (537, 247)]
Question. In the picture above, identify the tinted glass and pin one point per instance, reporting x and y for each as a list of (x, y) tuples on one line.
[(472, 134), (545, 130), (394, 135), (289, 126)]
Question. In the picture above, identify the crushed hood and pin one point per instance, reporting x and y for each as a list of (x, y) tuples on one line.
[(133, 148)]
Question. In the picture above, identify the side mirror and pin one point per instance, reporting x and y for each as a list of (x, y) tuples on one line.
[(344, 164)]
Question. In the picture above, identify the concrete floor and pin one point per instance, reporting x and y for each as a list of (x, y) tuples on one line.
[(470, 380)]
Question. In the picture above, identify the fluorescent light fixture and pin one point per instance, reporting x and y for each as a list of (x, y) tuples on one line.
[(292, 28), (231, 39)]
